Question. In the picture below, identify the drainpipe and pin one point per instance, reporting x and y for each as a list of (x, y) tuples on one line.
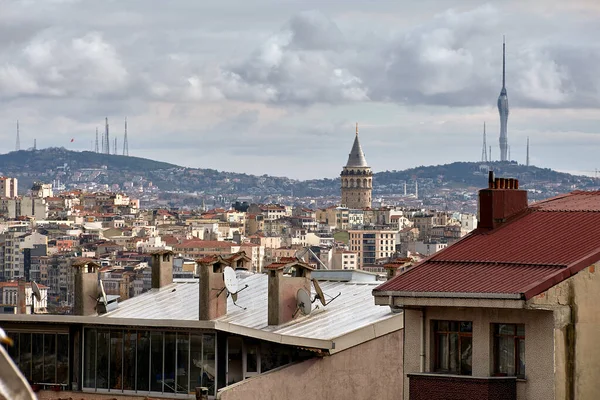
[(423, 341)]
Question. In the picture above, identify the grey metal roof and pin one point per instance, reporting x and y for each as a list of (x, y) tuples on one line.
[(353, 310), (356, 158)]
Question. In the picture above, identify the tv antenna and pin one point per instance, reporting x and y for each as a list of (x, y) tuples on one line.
[(303, 303), (320, 295), (35, 295), (232, 285)]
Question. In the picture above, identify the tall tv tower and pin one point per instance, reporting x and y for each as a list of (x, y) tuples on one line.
[(125, 142), (503, 108), (106, 149), (18, 145), (484, 155)]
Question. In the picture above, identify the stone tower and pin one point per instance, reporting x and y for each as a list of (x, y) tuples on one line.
[(356, 178)]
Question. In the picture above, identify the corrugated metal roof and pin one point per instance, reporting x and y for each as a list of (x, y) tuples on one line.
[(354, 309), (537, 249)]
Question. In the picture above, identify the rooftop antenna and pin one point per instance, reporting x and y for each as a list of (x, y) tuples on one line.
[(357, 129), (96, 140), (232, 285), (484, 155), (125, 142), (18, 145), (35, 295), (527, 160)]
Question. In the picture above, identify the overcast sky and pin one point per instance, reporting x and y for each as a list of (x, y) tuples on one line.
[(275, 86)]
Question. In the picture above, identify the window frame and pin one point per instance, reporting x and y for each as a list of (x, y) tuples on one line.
[(436, 362), (517, 349)]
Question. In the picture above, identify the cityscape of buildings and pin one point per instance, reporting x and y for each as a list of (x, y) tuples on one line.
[(112, 290)]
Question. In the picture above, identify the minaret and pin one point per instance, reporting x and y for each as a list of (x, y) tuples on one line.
[(484, 156), (18, 144), (356, 178), (527, 161), (503, 109)]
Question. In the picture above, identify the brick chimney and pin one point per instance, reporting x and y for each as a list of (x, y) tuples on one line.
[(86, 286), (396, 266), (213, 300), (162, 268), (501, 200), (21, 296), (284, 288)]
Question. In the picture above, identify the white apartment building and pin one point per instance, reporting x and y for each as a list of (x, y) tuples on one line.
[(372, 245)]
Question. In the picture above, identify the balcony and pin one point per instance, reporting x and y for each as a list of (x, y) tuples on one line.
[(461, 387)]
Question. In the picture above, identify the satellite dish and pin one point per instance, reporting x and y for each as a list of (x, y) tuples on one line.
[(303, 302), (230, 280), (320, 295), (35, 289)]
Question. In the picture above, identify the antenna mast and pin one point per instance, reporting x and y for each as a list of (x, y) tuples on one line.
[(115, 148), (18, 145), (34, 144), (484, 155), (125, 142), (96, 140), (527, 161), (503, 60), (107, 138)]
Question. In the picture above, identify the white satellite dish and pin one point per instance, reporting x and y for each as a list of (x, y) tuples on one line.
[(303, 302), (230, 279), (35, 289)]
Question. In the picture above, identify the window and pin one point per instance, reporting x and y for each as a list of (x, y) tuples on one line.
[(453, 346), (509, 350)]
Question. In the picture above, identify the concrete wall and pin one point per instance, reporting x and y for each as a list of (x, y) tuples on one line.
[(577, 324), (539, 344), (372, 370)]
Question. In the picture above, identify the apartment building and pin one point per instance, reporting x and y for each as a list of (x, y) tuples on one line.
[(372, 245)]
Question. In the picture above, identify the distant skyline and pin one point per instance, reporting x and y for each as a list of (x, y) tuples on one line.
[(272, 87)]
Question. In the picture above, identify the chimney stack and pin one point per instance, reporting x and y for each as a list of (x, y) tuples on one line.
[(86, 286), (21, 296), (213, 299), (395, 267), (283, 288), (501, 200), (162, 268)]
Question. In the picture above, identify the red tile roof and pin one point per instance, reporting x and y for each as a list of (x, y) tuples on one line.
[(533, 251)]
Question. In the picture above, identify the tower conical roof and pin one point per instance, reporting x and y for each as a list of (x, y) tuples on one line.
[(356, 158)]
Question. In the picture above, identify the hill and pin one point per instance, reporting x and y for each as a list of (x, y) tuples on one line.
[(89, 168)]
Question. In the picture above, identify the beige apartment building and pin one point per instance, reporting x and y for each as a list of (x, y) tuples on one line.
[(8, 187), (372, 245)]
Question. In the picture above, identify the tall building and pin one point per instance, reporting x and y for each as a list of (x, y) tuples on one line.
[(356, 178), (503, 109), (8, 187)]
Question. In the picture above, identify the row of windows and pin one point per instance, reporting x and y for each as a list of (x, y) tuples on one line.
[(453, 341), (43, 358), (148, 361)]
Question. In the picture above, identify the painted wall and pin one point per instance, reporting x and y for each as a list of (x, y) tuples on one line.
[(539, 344), (575, 304), (372, 370)]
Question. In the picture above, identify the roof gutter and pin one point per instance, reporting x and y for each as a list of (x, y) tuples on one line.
[(449, 295)]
